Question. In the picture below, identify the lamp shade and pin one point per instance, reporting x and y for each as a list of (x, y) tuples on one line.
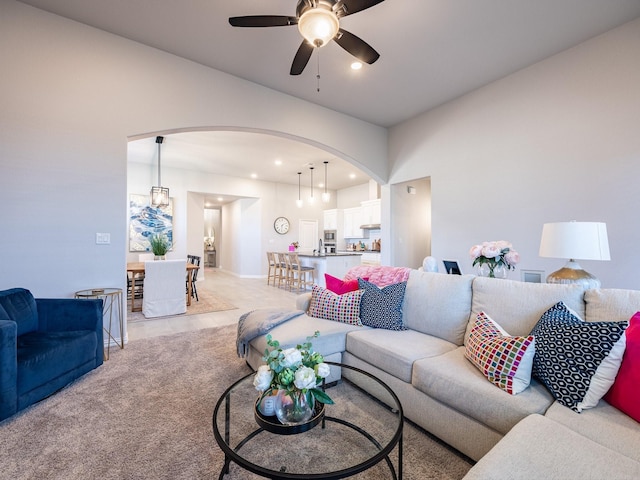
[(318, 25), (575, 240)]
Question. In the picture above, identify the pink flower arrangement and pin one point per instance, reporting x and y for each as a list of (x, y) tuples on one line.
[(494, 254)]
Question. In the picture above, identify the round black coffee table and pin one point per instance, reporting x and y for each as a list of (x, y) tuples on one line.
[(359, 432)]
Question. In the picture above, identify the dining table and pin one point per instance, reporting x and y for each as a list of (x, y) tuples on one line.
[(137, 268)]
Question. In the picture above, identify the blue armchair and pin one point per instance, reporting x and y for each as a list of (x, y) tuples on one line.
[(44, 345)]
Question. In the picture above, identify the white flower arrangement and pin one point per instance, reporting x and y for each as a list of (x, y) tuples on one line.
[(494, 254), (296, 371)]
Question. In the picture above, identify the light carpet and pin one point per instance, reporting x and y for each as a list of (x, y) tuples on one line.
[(208, 302), (146, 414)]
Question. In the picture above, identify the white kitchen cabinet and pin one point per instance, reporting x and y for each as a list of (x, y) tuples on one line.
[(331, 219), (371, 212), (370, 258), (352, 222)]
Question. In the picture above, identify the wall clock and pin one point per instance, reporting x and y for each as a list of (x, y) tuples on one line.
[(281, 225)]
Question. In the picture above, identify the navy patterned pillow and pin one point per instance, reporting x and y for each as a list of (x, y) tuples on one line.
[(577, 360), (382, 307)]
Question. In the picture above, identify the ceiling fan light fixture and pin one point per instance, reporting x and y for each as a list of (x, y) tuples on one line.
[(318, 25)]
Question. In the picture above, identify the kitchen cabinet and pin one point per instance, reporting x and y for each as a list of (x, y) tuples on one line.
[(331, 219), (352, 222), (371, 212), (370, 258)]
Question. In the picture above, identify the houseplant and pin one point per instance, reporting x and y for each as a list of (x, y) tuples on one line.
[(159, 245), (494, 259), (293, 375)]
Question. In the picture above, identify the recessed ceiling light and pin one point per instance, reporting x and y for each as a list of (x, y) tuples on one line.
[(353, 175), (356, 66), (220, 199), (278, 162), (254, 175)]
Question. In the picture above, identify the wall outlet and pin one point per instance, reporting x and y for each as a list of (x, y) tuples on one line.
[(103, 238)]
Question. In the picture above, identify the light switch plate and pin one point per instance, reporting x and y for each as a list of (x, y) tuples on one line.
[(103, 238)]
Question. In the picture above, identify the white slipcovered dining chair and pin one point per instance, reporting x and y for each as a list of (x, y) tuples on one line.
[(164, 288)]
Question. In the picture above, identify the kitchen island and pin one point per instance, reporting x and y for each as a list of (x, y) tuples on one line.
[(335, 264)]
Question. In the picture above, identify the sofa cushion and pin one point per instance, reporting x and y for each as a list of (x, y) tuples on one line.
[(624, 394), (43, 356), (438, 304), (382, 307), (451, 379), (518, 306), (20, 306), (610, 304), (295, 331), (604, 424), (540, 448), (505, 361), (576, 360), (339, 308), (395, 352)]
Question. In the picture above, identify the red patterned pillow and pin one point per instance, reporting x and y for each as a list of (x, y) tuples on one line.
[(339, 308), (506, 361), (339, 286), (624, 394)]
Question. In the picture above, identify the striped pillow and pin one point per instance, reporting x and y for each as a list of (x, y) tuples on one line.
[(506, 361), (343, 308)]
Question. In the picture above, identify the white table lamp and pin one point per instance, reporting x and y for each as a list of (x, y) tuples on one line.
[(575, 241)]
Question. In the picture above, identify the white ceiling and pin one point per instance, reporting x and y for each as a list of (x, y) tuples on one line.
[(431, 51)]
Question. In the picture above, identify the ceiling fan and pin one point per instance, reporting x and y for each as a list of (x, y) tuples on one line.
[(318, 22)]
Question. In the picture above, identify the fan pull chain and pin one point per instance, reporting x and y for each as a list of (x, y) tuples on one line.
[(318, 74)]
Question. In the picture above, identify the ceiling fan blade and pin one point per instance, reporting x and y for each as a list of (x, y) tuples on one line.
[(302, 58), (356, 46), (355, 6), (263, 21)]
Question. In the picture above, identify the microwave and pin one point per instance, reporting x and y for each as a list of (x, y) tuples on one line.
[(329, 235)]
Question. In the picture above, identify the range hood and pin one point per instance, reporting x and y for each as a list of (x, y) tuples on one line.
[(370, 226)]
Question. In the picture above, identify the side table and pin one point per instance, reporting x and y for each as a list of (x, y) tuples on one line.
[(112, 299)]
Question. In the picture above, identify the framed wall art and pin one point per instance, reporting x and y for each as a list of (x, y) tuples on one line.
[(145, 221)]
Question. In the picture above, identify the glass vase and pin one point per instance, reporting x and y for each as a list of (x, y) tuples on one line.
[(493, 270), (292, 408)]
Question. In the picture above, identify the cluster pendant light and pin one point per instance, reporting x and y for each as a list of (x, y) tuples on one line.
[(326, 196), (311, 199), (159, 194), (299, 202)]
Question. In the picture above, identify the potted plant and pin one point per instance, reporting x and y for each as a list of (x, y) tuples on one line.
[(159, 245)]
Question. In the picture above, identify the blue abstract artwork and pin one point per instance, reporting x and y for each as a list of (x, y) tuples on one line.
[(145, 221)]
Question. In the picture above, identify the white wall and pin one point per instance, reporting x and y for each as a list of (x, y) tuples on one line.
[(557, 141), (71, 96)]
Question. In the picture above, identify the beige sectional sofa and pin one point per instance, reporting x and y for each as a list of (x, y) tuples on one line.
[(528, 435)]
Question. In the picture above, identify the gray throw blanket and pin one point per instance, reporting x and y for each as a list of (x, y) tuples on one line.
[(258, 322)]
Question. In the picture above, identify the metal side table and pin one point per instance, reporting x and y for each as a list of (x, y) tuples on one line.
[(112, 305)]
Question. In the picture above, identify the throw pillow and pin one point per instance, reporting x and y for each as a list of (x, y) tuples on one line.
[(505, 361), (339, 286), (339, 308), (625, 392), (576, 360), (382, 307)]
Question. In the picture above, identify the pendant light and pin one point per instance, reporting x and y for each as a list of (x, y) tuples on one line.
[(326, 196), (299, 201), (311, 199), (159, 194)]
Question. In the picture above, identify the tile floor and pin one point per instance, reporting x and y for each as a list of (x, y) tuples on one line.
[(245, 293)]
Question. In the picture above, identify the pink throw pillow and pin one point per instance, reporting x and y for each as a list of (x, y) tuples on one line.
[(339, 286), (624, 394)]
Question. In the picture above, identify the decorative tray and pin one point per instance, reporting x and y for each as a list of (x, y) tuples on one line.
[(273, 425)]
